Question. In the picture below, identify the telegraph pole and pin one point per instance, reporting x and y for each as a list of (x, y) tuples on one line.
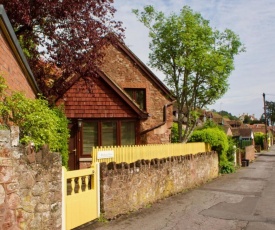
[(265, 122)]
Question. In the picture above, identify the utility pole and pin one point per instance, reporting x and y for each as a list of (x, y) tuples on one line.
[(266, 142)]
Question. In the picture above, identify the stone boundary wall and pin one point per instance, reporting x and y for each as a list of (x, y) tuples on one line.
[(250, 153), (129, 187), (30, 185)]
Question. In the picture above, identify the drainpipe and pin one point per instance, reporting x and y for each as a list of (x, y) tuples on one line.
[(164, 119)]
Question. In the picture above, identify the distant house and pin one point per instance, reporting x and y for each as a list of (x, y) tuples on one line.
[(243, 134), (126, 105), (235, 123), (13, 64), (228, 130), (250, 117), (258, 128)]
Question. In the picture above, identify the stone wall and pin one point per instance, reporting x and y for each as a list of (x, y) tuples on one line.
[(129, 187), (30, 186)]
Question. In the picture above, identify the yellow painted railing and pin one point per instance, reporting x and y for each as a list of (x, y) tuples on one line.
[(133, 153)]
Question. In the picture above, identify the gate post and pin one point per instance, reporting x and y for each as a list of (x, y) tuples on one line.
[(97, 169), (64, 193)]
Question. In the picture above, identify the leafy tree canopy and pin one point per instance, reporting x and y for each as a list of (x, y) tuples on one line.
[(270, 112), (195, 58), (62, 38), (228, 115)]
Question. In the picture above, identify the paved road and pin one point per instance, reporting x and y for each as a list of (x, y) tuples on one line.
[(241, 201)]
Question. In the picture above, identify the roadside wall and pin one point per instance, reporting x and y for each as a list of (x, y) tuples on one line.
[(30, 185), (129, 187)]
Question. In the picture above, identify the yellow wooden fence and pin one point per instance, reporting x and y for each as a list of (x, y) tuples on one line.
[(133, 153)]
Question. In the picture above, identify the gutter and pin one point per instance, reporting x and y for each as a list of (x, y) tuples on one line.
[(164, 119)]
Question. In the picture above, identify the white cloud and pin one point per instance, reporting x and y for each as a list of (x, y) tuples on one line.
[(252, 20)]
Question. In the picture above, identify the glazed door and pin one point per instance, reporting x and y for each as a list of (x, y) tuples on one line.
[(72, 163)]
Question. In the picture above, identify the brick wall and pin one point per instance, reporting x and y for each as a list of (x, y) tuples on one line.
[(11, 70), (30, 186), (129, 187), (126, 73)]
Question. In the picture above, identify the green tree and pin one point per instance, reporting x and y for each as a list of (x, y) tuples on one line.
[(247, 119), (270, 112), (196, 59), (227, 114), (62, 39)]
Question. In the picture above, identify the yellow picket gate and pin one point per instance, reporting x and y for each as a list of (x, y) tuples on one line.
[(81, 196)]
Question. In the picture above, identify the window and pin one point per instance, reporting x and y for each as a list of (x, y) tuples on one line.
[(90, 137), (128, 136), (138, 95), (107, 133)]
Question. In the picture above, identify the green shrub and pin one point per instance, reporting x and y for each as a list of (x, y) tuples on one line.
[(227, 167), (259, 139), (38, 123), (217, 138)]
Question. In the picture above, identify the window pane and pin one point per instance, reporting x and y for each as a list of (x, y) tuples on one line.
[(140, 98), (128, 136), (109, 133), (138, 95), (89, 137), (130, 92)]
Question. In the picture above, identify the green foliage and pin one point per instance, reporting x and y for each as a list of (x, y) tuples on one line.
[(102, 218), (231, 149), (210, 124), (247, 119), (227, 167), (259, 139), (227, 115), (219, 143), (174, 133), (38, 123), (195, 58), (3, 86), (270, 112)]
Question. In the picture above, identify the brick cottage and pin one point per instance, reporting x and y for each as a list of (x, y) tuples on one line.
[(126, 105)]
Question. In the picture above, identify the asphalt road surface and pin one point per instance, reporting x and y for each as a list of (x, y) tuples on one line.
[(242, 200)]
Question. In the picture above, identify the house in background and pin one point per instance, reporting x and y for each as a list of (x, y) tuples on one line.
[(245, 135), (126, 105), (13, 64)]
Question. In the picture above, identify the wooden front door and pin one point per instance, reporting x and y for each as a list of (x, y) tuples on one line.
[(72, 163)]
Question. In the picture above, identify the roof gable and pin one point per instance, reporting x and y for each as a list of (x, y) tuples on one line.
[(120, 45), (123, 95), (104, 100)]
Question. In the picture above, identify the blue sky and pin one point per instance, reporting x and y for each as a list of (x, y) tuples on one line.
[(252, 20)]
